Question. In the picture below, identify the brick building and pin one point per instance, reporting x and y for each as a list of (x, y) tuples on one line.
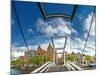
[(49, 52), (41, 52)]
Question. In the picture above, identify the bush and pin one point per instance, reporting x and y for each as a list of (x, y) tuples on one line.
[(35, 60), (13, 62), (71, 58), (88, 58)]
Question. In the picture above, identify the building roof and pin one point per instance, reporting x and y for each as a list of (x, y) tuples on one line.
[(49, 47), (21, 57), (39, 49)]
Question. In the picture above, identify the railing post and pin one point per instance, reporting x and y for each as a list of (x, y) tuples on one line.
[(64, 57), (54, 57)]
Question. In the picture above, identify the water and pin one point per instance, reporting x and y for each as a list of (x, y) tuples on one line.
[(92, 67), (15, 72), (21, 71), (18, 71)]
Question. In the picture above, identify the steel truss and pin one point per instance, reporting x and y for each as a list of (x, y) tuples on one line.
[(45, 16), (55, 49)]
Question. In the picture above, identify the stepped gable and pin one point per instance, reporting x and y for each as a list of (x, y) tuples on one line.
[(49, 47), (41, 51)]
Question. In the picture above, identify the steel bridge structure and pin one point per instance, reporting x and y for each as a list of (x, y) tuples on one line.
[(53, 66)]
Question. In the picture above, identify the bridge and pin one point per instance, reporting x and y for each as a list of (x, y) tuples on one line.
[(54, 66), (50, 67)]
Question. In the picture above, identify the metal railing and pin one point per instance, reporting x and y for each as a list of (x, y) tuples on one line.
[(43, 68), (74, 65)]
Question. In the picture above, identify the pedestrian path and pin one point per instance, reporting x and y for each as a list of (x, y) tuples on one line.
[(58, 68)]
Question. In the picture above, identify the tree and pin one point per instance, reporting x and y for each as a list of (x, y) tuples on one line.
[(71, 58), (18, 63), (45, 59), (31, 61), (21, 62), (88, 58), (37, 60), (14, 62)]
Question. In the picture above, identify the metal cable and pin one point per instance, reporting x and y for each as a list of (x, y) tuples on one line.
[(88, 34), (19, 24)]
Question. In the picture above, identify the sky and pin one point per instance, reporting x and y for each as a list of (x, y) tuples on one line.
[(38, 31)]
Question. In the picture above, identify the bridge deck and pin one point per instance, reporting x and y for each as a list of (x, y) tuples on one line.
[(58, 68)]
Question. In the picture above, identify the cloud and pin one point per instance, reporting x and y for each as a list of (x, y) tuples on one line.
[(81, 16), (30, 30), (20, 51), (87, 24), (56, 26), (92, 36), (59, 42), (77, 44), (17, 54), (61, 27)]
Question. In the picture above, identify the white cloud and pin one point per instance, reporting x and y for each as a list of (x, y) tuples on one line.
[(30, 30), (16, 54), (61, 27), (56, 26), (44, 46), (91, 40), (77, 45), (19, 51), (41, 24), (87, 24)]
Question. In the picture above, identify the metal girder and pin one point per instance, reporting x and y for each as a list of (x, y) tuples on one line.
[(41, 9), (56, 15), (74, 11), (59, 37), (65, 42), (55, 49), (52, 42), (59, 52), (59, 48)]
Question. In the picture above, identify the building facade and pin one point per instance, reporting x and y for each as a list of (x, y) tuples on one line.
[(49, 52), (30, 53), (41, 53)]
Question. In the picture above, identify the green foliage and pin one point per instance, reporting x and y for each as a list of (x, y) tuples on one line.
[(45, 59), (17, 63), (21, 62), (88, 58), (35, 60), (71, 58), (30, 61), (14, 62)]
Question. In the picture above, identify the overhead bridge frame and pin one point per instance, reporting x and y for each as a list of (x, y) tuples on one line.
[(55, 49), (45, 16)]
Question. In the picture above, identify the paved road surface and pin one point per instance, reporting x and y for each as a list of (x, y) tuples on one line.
[(58, 68)]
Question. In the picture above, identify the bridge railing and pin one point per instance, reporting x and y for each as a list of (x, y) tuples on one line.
[(74, 65), (43, 67), (70, 67)]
